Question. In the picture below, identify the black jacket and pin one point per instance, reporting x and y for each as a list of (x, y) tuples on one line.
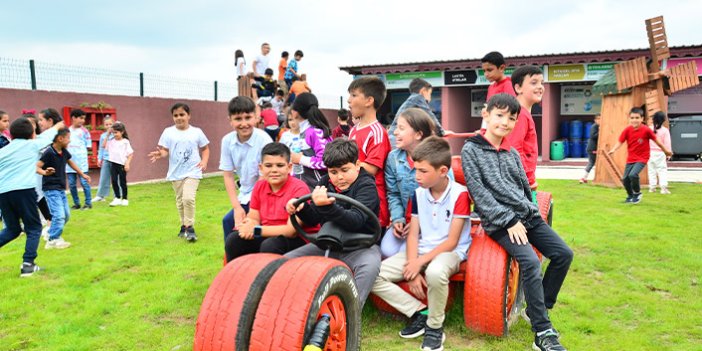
[(592, 141)]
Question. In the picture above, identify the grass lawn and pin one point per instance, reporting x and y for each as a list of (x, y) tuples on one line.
[(129, 283)]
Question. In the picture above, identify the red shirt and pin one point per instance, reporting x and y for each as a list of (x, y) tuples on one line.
[(271, 205), (523, 139), (270, 118), (373, 149), (503, 86), (637, 143)]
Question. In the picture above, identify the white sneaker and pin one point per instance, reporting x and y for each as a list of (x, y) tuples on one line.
[(125, 202), (651, 189), (665, 191), (45, 233), (57, 244), (98, 199), (116, 202)]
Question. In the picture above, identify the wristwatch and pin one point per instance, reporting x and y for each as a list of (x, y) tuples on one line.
[(257, 231)]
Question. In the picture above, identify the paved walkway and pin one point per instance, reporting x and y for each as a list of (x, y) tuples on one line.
[(676, 174)]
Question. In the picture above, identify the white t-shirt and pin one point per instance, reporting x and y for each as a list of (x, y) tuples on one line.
[(243, 158), (261, 64), (183, 151), (278, 105), (288, 137), (240, 71)]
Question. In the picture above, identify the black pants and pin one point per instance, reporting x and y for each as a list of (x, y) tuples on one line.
[(16, 206), (591, 158), (540, 293), (237, 247), (631, 177), (44, 208), (119, 180)]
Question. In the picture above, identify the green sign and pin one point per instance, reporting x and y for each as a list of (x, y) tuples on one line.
[(578, 72), (413, 75)]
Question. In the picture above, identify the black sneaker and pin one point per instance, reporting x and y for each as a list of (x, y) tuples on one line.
[(27, 269), (76, 207), (415, 327), (433, 339), (181, 234), (636, 198), (547, 342), (190, 234), (87, 207)]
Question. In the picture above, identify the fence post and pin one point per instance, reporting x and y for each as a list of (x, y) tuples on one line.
[(141, 84), (341, 102), (33, 73), (215, 86)]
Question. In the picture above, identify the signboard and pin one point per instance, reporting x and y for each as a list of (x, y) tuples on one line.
[(578, 72), (460, 77), (579, 100), (478, 98), (402, 80)]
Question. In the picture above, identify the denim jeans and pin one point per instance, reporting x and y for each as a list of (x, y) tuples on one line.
[(228, 221), (631, 177), (16, 206), (60, 212), (104, 186), (74, 189)]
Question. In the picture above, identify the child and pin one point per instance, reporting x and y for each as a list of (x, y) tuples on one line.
[(316, 131), (80, 143), (637, 137), (241, 153), (270, 120), (420, 96), (278, 103), (528, 83), (292, 69), (501, 192), (183, 144), (413, 126), (4, 129), (494, 66), (242, 77), (657, 165), (52, 166), (47, 119), (102, 161), (342, 130), (267, 216), (345, 177), (17, 196), (282, 67), (366, 95), (436, 247), (264, 88), (120, 154), (591, 148)]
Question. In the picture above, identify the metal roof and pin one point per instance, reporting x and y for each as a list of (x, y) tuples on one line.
[(541, 59)]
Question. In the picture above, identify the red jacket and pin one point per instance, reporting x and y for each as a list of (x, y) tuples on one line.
[(523, 139)]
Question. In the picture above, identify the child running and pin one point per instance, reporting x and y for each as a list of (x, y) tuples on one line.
[(435, 246), (591, 148), (120, 156), (102, 161), (183, 144), (657, 165), (317, 134), (80, 143)]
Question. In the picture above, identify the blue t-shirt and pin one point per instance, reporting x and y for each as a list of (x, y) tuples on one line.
[(18, 162), (79, 145), (288, 72)]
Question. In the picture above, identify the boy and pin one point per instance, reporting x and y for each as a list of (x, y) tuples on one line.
[(282, 67), (636, 136), (270, 120), (436, 247), (183, 144), (494, 65), (366, 95), (591, 148), (420, 96), (78, 148), (18, 199), (241, 153), (346, 177), (265, 87), (4, 125), (342, 130), (292, 70), (278, 102), (528, 83), (52, 166), (267, 216), (103, 161), (502, 195)]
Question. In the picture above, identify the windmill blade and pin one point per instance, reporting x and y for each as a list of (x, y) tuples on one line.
[(683, 76), (653, 102), (631, 73), (657, 40)]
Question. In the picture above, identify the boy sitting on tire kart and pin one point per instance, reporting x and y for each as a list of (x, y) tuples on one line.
[(345, 177)]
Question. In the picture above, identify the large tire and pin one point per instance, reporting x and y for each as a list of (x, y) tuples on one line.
[(491, 287), (298, 294), (545, 201), (383, 306), (229, 307), (457, 167)]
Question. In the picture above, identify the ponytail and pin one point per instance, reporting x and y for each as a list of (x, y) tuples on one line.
[(307, 106), (658, 120)]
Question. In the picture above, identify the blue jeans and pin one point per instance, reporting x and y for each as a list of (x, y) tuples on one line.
[(74, 189), (104, 186), (16, 206), (60, 212), (228, 221)]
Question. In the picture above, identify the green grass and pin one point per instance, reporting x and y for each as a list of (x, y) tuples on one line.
[(128, 283)]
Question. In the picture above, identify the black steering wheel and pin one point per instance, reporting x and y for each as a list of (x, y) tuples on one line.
[(334, 237)]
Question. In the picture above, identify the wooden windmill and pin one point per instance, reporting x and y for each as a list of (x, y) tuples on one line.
[(639, 82)]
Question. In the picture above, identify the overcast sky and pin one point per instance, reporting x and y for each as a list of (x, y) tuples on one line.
[(197, 39)]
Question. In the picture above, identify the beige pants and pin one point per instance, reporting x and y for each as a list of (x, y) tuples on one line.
[(437, 274), (185, 191)]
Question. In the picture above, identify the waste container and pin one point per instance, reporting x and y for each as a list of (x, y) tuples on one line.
[(686, 135), (557, 150)]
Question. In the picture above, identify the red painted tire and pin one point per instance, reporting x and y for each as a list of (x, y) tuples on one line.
[(298, 294), (491, 286), (545, 201), (229, 307), (457, 167), (383, 306)]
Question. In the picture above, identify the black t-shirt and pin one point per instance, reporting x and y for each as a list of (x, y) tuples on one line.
[(52, 158)]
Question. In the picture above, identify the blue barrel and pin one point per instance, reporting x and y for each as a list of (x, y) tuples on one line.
[(564, 129), (566, 148), (588, 127), (576, 148), (576, 129)]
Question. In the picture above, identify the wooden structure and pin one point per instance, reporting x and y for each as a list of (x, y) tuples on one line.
[(639, 83)]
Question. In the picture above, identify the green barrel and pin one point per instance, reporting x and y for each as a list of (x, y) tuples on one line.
[(557, 152)]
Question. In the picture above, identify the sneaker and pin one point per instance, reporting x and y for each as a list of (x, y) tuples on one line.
[(636, 198), (27, 269), (629, 199), (57, 244), (547, 342), (125, 202), (583, 181), (116, 202), (87, 207), (653, 189), (181, 234), (76, 207), (433, 339), (665, 191), (98, 199), (415, 327), (190, 234)]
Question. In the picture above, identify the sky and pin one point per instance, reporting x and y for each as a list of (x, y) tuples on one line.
[(197, 39)]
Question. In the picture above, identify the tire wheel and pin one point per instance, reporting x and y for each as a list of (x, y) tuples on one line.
[(491, 287), (383, 306), (457, 167), (545, 202), (298, 294), (229, 307)]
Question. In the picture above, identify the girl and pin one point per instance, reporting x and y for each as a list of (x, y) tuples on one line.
[(657, 163), (315, 128), (413, 126), (104, 185), (4, 129), (591, 148), (244, 83), (120, 156), (293, 140)]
